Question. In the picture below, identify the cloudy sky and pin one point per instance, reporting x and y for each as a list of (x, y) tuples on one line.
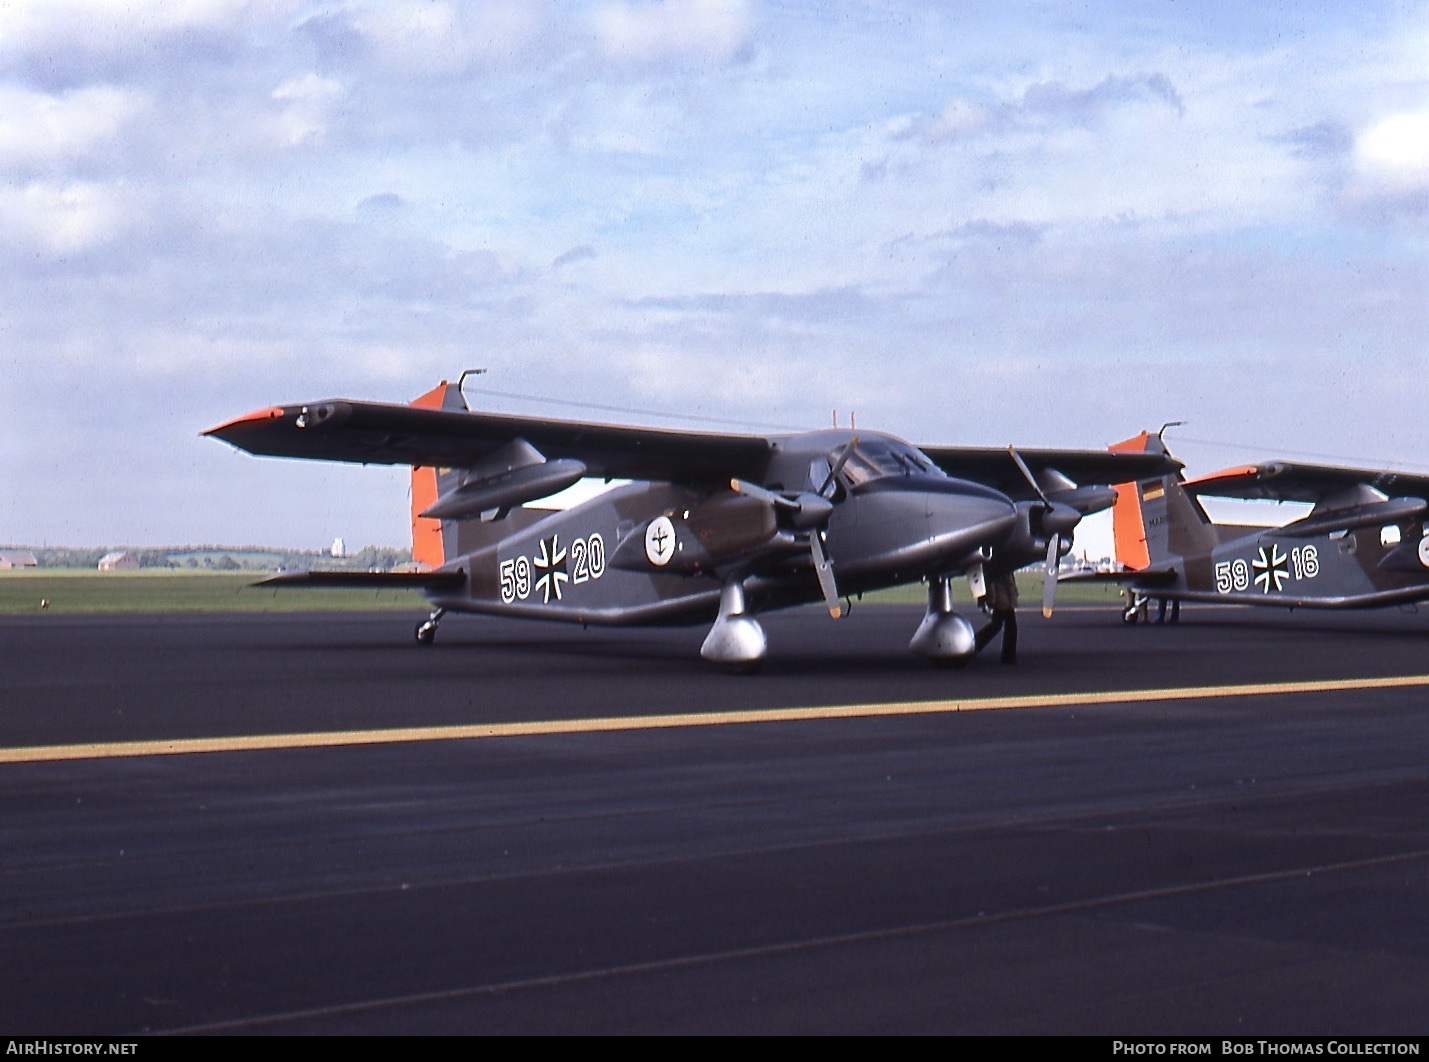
[(1050, 224)]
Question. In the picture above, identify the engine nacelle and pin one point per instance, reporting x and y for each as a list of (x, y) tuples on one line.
[(1036, 523), (718, 530), (512, 487)]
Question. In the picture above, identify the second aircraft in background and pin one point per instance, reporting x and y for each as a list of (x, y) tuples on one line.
[(1362, 545)]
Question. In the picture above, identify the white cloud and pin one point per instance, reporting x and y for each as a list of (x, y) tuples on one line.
[(1394, 151), (62, 219), (716, 29), (305, 103), (38, 128), (112, 24), (425, 39)]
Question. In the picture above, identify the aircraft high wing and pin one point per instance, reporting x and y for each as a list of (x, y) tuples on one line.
[(1362, 545), (713, 527)]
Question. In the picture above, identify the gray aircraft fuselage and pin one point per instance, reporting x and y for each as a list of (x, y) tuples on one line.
[(1350, 569), (895, 517)]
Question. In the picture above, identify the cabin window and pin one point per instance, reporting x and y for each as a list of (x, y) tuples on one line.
[(1389, 535), (860, 468)]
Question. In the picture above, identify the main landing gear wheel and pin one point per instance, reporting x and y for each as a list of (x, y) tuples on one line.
[(1135, 609), (736, 642)]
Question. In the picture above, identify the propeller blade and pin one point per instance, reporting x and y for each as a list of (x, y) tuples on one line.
[(825, 572), (1027, 472), (838, 464), (1049, 583)]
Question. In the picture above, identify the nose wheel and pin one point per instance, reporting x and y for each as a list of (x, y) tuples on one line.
[(943, 637), (426, 631)]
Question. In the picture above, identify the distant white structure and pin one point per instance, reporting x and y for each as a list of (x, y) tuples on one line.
[(337, 548), (17, 558), (113, 562)]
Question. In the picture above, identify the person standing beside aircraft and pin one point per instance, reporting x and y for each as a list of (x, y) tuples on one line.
[(1001, 601)]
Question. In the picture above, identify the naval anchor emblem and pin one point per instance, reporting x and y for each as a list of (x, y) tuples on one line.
[(660, 541)]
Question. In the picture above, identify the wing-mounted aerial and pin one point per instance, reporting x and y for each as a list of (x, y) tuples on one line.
[(1343, 499)]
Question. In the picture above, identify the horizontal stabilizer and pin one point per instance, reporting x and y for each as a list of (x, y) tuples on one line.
[(447, 580), (1144, 577)]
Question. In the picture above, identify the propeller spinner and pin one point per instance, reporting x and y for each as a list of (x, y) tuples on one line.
[(1056, 520)]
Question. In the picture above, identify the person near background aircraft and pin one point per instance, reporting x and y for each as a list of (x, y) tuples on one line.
[(1175, 610)]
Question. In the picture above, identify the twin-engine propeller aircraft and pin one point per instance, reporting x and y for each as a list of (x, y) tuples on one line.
[(712, 528), (1362, 545)]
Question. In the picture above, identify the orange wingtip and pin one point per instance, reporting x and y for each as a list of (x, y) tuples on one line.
[(1136, 444), (257, 417), (1226, 475)]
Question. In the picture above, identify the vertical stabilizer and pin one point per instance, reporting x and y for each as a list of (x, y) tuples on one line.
[(1128, 526), (429, 545), (1155, 520)]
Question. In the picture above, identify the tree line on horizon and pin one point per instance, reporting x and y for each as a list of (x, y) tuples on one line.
[(224, 558)]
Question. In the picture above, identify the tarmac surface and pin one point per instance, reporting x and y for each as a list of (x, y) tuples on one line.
[(257, 824)]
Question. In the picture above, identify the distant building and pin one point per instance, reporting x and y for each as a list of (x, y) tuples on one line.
[(337, 548), (112, 562), (17, 558)]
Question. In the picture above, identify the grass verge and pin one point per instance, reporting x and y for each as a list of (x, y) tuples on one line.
[(158, 590), (64, 591)]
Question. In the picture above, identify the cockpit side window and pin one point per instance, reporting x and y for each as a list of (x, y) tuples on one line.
[(819, 469)]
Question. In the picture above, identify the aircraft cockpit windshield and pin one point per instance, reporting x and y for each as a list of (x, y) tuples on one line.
[(875, 458)]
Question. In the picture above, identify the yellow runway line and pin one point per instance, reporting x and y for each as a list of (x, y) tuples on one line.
[(265, 742)]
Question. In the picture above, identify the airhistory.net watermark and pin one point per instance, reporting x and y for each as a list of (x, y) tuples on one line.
[(71, 1047)]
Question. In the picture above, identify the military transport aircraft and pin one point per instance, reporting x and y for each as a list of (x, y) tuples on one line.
[(712, 527), (1363, 544)]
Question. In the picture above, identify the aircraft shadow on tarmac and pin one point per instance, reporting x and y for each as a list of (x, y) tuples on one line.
[(870, 644), (1382, 623)]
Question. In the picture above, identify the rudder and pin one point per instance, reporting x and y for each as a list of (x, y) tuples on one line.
[(430, 545)]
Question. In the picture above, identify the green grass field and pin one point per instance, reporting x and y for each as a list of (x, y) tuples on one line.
[(158, 590)]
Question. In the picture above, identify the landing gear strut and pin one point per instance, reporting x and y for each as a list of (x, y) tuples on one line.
[(427, 629)]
